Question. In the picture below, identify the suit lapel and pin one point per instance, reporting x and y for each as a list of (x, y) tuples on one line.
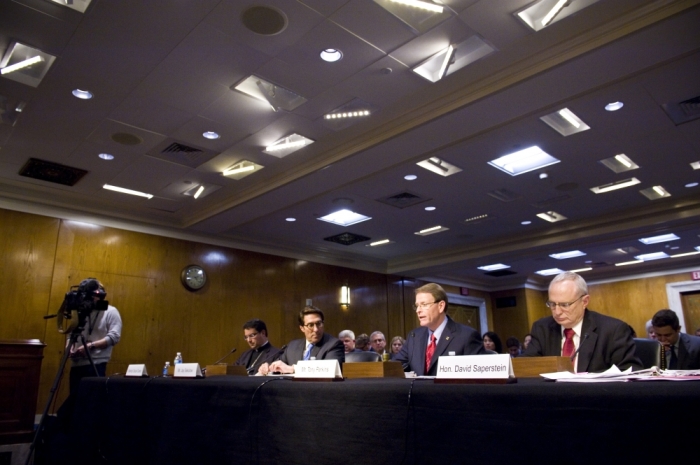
[(554, 343), (442, 343), (419, 346), (587, 343), (682, 350)]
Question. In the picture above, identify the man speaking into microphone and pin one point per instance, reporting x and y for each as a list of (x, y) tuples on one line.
[(261, 351), (594, 341)]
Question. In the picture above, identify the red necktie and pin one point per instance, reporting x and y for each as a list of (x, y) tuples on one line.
[(429, 353), (569, 348)]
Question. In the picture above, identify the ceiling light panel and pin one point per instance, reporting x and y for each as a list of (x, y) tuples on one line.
[(385, 242), (565, 255), (25, 64), (547, 12), (651, 256), (494, 267), (523, 161), (565, 122), (77, 5), (346, 115), (431, 230), (345, 218), (551, 216), (122, 190), (453, 58), (659, 239), (241, 169), (549, 272), (277, 97), (419, 15), (439, 166), (615, 185), (655, 192), (286, 145), (619, 163)]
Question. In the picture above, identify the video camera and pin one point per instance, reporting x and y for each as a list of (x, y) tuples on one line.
[(79, 302)]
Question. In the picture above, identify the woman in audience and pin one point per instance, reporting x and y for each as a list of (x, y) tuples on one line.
[(493, 342), (526, 341), (396, 345)]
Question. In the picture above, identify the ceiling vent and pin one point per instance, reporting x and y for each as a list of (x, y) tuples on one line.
[(504, 195), (682, 112), (546, 203), (403, 200), (182, 154), (52, 172), (346, 238), (499, 273)]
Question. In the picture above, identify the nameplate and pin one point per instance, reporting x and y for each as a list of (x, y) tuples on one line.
[(318, 369), (187, 370), (136, 371), (494, 366)]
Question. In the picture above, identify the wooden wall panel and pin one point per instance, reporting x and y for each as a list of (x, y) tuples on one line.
[(510, 321)]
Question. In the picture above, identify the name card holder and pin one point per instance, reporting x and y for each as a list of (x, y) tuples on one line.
[(532, 367), (187, 370), (475, 369), (136, 371), (373, 370), (318, 370)]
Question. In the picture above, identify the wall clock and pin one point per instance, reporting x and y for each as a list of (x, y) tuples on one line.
[(193, 277)]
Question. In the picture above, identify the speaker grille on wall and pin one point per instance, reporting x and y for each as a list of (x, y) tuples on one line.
[(506, 302)]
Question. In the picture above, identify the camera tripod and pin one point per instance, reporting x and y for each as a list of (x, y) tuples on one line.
[(74, 335)]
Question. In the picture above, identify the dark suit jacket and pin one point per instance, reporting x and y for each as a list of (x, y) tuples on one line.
[(328, 348), (688, 352), (457, 338), (266, 354), (605, 341)]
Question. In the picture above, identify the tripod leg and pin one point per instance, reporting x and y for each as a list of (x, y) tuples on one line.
[(89, 357)]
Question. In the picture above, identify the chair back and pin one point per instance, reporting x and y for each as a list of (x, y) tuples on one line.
[(364, 356), (648, 351)]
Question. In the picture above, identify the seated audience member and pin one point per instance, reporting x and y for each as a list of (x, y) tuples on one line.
[(438, 334), (347, 337), (261, 351), (513, 346), (362, 342), (682, 350), (595, 342), (492, 342), (526, 341), (378, 343), (697, 332), (650, 330), (397, 343), (315, 343)]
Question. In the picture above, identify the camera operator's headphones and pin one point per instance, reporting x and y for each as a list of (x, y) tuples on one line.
[(90, 287)]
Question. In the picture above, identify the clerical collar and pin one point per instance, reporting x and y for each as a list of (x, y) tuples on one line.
[(262, 347)]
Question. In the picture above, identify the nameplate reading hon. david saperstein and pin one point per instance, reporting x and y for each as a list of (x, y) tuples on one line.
[(495, 366)]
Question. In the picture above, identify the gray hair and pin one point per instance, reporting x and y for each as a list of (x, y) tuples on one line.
[(346, 333), (376, 332), (571, 276)]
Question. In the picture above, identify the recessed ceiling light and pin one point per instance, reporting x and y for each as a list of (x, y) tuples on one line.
[(687, 254), (433, 230), (477, 218), (127, 191), (106, 156), (277, 97), (25, 64), (82, 94), (691, 184), (588, 261), (619, 163), (551, 216), (22, 64), (549, 272), (210, 135), (522, 161), (526, 222), (651, 256), (291, 220), (421, 5), (241, 169), (452, 58), (286, 145), (632, 262), (615, 185), (331, 55), (659, 239), (199, 191), (344, 217), (570, 254), (410, 177), (565, 122), (581, 270), (655, 192), (695, 165), (348, 114), (382, 242), (429, 209), (539, 15), (494, 267), (438, 166), (614, 106)]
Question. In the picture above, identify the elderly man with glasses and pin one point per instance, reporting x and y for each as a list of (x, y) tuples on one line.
[(594, 342), (315, 344), (438, 334)]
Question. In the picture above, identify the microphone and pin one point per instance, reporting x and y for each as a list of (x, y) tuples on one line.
[(232, 351), (573, 357)]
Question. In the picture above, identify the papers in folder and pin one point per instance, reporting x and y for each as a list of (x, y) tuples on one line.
[(613, 374)]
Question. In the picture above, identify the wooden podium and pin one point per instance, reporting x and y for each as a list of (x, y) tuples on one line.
[(373, 370), (532, 367), (20, 368)]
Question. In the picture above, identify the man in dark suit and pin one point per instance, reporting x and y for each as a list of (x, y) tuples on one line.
[(261, 351), (682, 350), (315, 344), (594, 341), (438, 334)]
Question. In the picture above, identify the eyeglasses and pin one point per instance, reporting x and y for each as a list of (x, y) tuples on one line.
[(251, 336), (424, 306), (562, 305), (318, 324)]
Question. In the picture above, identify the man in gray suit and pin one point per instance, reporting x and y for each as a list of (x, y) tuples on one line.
[(682, 350), (315, 344)]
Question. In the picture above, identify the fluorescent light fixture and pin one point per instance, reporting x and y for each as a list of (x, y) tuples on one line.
[(200, 189), (615, 185), (655, 192), (523, 161), (651, 256), (565, 122), (238, 170), (614, 106), (241, 169), (549, 272), (435, 67), (277, 97), (422, 5), (632, 262), (22, 64), (581, 270), (286, 145), (659, 239), (695, 165), (331, 55), (384, 242), (547, 12), (453, 58), (127, 191), (438, 166), (553, 12), (687, 254), (551, 216), (619, 163), (494, 267), (433, 230), (345, 217), (77, 5), (570, 254)]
